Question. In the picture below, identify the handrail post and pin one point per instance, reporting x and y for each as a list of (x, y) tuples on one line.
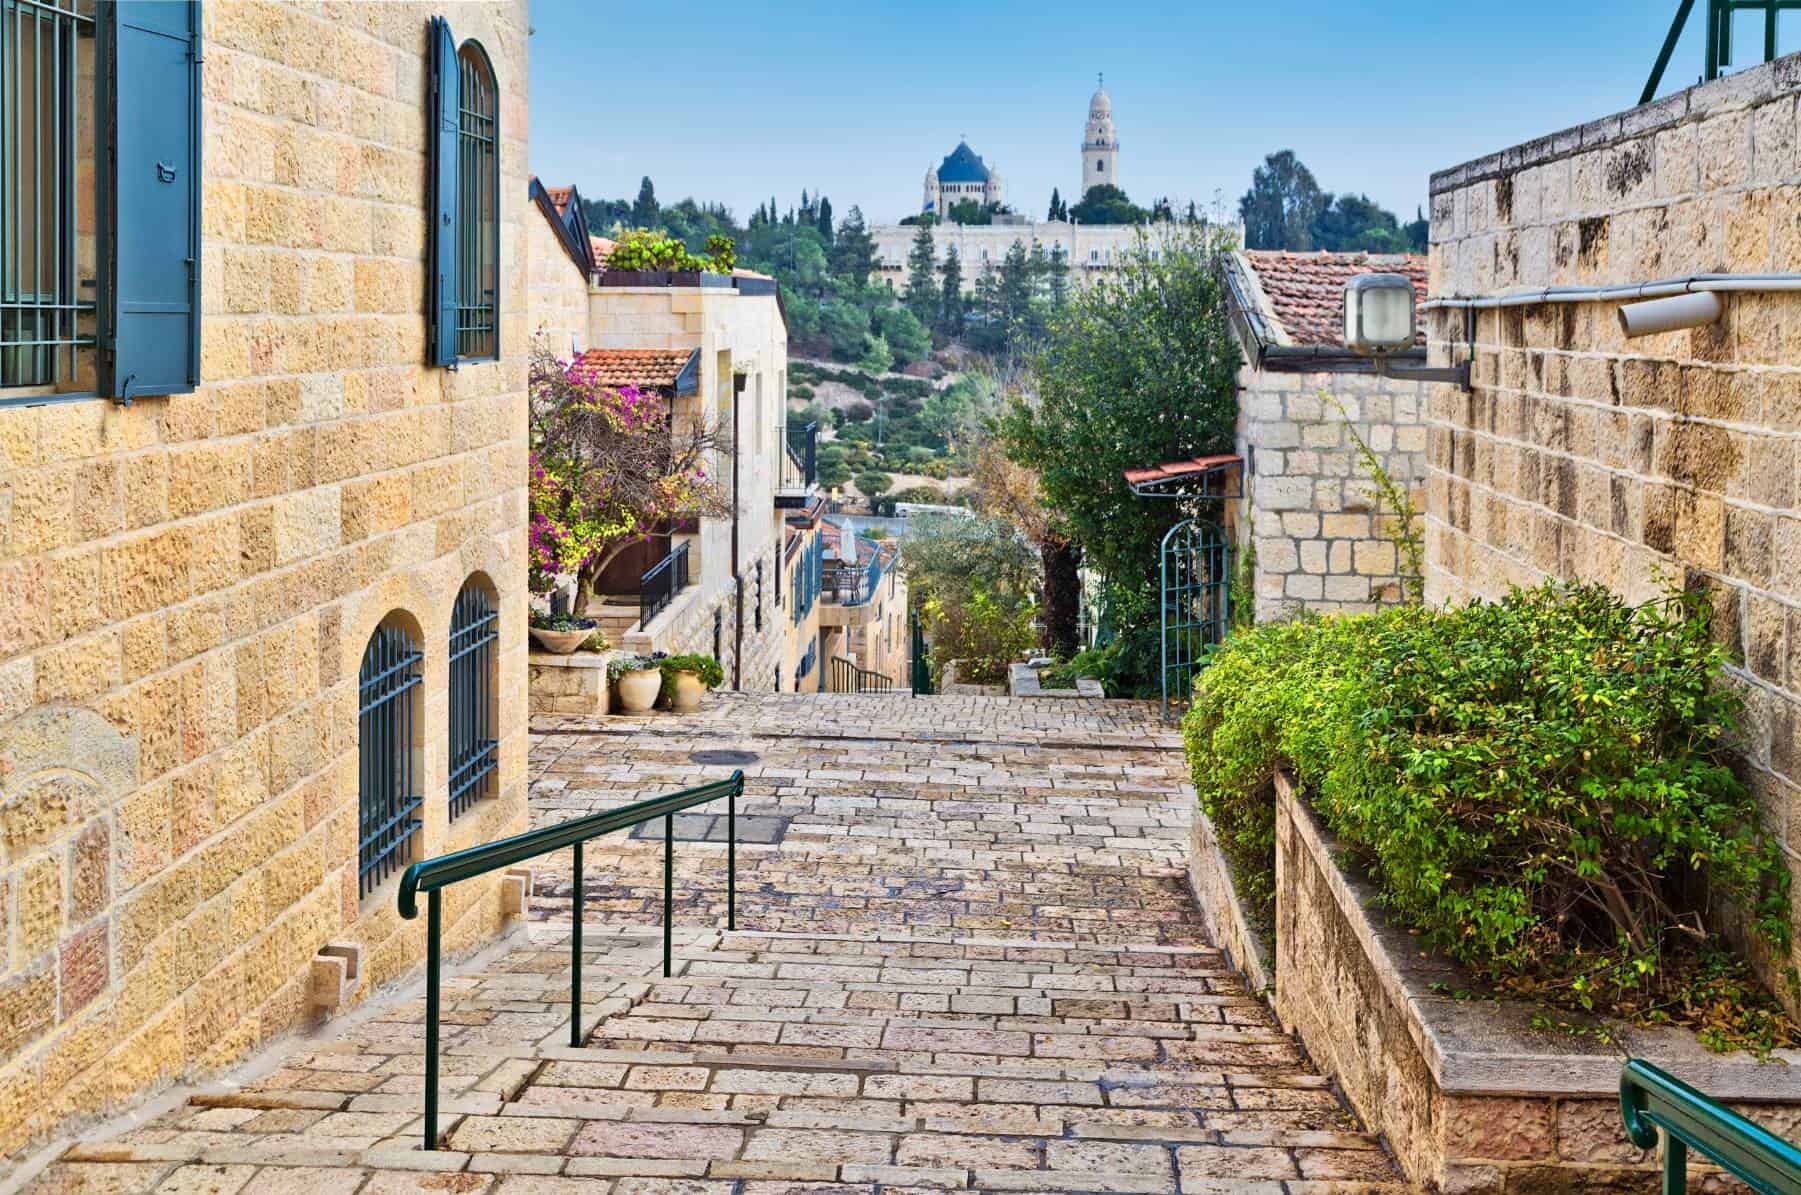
[(731, 859), (433, 925), (1675, 1165), (668, 886), (575, 957)]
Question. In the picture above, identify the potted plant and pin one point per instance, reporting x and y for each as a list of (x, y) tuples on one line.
[(686, 679), (640, 679), (562, 634)]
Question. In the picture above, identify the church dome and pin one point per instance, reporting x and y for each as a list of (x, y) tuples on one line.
[(963, 165), (1101, 105)]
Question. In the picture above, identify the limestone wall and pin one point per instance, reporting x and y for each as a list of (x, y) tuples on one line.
[(190, 582), (558, 288), (1323, 540), (1581, 454)]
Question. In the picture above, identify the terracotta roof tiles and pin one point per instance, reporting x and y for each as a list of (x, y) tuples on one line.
[(644, 368), (1305, 291)]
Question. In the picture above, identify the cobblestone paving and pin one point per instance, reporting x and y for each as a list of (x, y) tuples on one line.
[(970, 965)]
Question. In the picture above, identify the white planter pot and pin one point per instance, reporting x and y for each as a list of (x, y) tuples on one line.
[(688, 692), (638, 690)]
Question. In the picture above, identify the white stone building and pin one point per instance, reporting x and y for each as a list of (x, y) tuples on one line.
[(1100, 145), (962, 176)]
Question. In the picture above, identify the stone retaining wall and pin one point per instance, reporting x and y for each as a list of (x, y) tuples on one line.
[(1471, 1097), (1216, 899)]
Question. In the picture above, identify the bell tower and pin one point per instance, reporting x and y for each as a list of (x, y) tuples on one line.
[(1100, 144)]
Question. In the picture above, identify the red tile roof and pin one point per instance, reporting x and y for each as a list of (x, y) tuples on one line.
[(559, 197), (644, 368), (1178, 469), (1305, 291)]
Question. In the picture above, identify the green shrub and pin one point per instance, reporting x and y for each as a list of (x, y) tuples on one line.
[(1538, 785), (873, 483), (701, 665)]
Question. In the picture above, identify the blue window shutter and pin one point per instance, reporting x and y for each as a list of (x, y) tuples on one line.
[(150, 197), (446, 102)]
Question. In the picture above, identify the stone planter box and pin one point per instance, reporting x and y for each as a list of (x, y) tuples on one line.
[(1023, 681), (1470, 1097), (1210, 882), (572, 684)]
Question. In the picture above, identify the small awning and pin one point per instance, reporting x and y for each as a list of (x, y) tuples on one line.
[(1198, 477)]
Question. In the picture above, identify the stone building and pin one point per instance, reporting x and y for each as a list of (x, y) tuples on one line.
[(962, 178), (1100, 144), (1669, 459), (264, 436), (1309, 512), (865, 610), (717, 348)]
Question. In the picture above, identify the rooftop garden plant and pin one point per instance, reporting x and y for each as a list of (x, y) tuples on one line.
[(1539, 786), (650, 249), (621, 665)]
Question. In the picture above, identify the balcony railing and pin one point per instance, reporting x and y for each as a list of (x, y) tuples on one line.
[(800, 461), (661, 582), (854, 584)]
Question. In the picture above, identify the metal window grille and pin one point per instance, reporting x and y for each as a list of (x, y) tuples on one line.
[(387, 781), (45, 49), (718, 630), (478, 198), (474, 630), (759, 606)]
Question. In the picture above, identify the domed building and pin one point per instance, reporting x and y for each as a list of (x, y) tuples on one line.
[(962, 175)]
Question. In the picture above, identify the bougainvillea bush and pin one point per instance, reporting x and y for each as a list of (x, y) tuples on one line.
[(1538, 785), (609, 467)]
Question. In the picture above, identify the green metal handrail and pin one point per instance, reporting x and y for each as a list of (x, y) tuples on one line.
[(1651, 1099), (1717, 36), (431, 876)]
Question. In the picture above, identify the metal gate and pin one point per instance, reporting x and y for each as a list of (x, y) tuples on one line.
[(920, 673), (1196, 576)]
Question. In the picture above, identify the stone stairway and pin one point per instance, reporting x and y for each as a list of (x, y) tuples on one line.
[(965, 967)]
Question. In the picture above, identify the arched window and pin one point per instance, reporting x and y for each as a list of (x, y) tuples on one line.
[(478, 200), (387, 774), (474, 629)]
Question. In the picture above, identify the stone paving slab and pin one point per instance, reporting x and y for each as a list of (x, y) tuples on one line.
[(969, 964)]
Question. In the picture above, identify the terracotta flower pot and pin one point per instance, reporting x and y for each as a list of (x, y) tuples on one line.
[(561, 643), (687, 694), (638, 690)]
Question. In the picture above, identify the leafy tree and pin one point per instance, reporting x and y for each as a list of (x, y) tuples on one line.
[(950, 294), (874, 483), (1279, 209), (853, 252), (1105, 203), (845, 327), (1139, 369), (921, 294), (970, 211), (976, 581), (906, 336), (645, 210), (876, 356), (1353, 223)]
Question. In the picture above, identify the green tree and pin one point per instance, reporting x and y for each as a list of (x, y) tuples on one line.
[(876, 356), (873, 483), (1105, 203), (1139, 369), (950, 295), (824, 221), (645, 211), (1279, 209), (1058, 211), (845, 327), (906, 336), (1357, 223), (921, 295), (969, 211), (853, 250)]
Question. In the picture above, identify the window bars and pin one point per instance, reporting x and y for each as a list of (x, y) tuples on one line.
[(45, 49), (478, 201), (474, 630), (387, 779)]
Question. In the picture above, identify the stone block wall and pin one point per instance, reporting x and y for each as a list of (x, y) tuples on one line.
[(557, 289), (1667, 459), (190, 582), (1323, 540)]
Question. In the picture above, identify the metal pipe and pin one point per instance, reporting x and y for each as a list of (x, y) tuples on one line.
[(731, 862), (433, 924), (668, 887), (575, 955), (1625, 292)]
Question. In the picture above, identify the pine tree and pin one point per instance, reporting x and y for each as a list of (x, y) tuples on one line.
[(824, 223), (1056, 212), (922, 288), (950, 294), (646, 210), (853, 251)]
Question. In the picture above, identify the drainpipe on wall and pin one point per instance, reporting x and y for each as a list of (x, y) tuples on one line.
[(737, 578)]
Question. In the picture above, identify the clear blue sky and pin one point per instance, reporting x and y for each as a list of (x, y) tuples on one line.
[(733, 102)]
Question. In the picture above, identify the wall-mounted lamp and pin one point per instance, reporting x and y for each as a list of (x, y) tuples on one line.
[(1674, 314), (1380, 321)]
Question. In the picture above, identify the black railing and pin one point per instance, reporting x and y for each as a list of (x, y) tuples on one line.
[(800, 464), (431, 876), (922, 664), (847, 677), (659, 585)]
